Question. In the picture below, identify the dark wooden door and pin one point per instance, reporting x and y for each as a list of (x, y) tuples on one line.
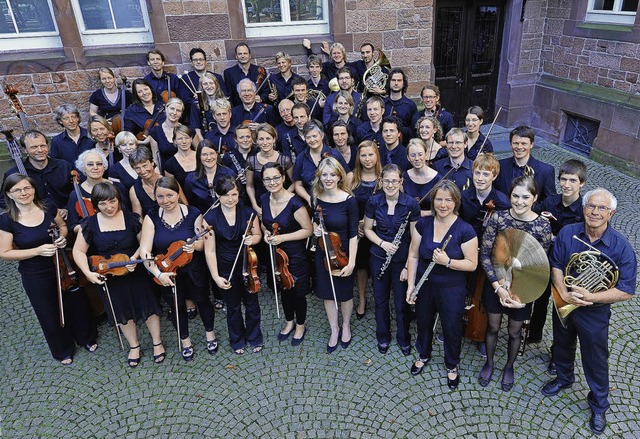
[(467, 55)]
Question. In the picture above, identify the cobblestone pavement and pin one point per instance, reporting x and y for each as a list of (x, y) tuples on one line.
[(287, 392)]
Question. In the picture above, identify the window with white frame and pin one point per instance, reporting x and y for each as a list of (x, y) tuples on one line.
[(612, 11), (27, 24), (109, 22), (266, 18)]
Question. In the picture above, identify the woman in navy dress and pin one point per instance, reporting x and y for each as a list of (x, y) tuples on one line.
[(211, 91), (230, 221), (266, 137), (102, 134), (340, 214), (145, 106), (290, 213), (420, 179), (113, 230), (445, 291), (107, 100), (92, 164), (473, 121), (121, 171), (389, 210), (173, 221), (496, 298), (199, 184), (366, 175), (24, 237), (430, 132), (183, 161), (162, 135), (343, 106), (341, 139)]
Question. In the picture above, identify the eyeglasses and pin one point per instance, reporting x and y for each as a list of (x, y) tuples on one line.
[(388, 182), (591, 207), (24, 190), (429, 97), (95, 165), (272, 180), (198, 59), (457, 143)]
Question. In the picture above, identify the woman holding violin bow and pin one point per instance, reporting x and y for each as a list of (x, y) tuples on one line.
[(233, 264), (336, 227), (25, 237), (170, 232), (163, 135), (102, 133), (107, 100), (286, 226), (145, 108), (110, 237)]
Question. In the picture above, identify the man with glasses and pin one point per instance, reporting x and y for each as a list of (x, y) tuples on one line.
[(52, 176), (589, 322), (250, 111), (199, 62), (457, 167), (345, 81), (430, 96), (74, 140), (523, 163)]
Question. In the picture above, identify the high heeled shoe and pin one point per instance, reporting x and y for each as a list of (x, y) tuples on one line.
[(212, 346), (453, 383), (507, 379), (330, 348), (187, 353), (160, 357), (133, 362), (417, 370)]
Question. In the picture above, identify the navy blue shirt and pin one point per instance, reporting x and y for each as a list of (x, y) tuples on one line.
[(233, 75), (305, 168), (365, 132), (65, 148), (194, 78), (293, 144), (612, 243), (404, 109), (472, 152), (197, 191), (283, 86), (462, 177), (106, 108), (239, 114), (222, 142), (328, 106), (565, 215), (543, 176), (474, 213), (166, 147), (387, 226), (443, 116), (117, 173), (282, 129), (397, 156), (53, 183), (195, 118), (162, 84), (323, 85), (136, 116)]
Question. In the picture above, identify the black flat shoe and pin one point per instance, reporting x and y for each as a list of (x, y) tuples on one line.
[(283, 336), (453, 383), (360, 316), (406, 350), (383, 347), (487, 371), (91, 347), (598, 423), (553, 387), (298, 341), (212, 346), (160, 357), (507, 379), (133, 362), (192, 313), (417, 370)]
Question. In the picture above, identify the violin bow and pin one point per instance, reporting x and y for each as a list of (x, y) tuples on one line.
[(54, 232), (116, 325), (490, 129), (273, 273), (233, 267), (326, 255), (174, 290)]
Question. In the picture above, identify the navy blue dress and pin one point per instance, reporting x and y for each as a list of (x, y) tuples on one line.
[(146, 202), (73, 218), (341, 218), (419, 190), (40, 283), (256, 167), (106, 108), (197, 189), (228, 240), (166, 147), (118, 174), (363, 192), (173, 167), (132, 294)]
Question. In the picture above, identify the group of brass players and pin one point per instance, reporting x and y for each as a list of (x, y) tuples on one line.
[(217, 183)]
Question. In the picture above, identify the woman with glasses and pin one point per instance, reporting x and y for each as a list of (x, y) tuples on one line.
[(394, 215), (497, 298), (420, 179), (473, 121), (24, 237), (338, 209), (444, 292), (288, 211)]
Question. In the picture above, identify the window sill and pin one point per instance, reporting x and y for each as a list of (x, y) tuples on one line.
[(119, 50), (605, 31), (268, 47)]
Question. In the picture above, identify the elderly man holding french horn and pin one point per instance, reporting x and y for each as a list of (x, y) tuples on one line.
[(593, 266)]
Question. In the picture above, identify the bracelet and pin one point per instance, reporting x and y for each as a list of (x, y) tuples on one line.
[(497, 288), (449, 263), (158, 275), (381, 242)]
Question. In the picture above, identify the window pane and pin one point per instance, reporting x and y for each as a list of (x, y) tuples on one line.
[(630, 5), (6, 24), (96, 14), (263, 11), (306, 10), (30, 16), (128, 14), (603, 5)]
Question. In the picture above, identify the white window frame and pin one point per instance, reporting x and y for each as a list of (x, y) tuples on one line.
[(616, 16), (31, 40), (286, 27), (110, 37)]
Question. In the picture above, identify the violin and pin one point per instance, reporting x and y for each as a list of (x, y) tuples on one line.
[(168, 93), (260, 111), (176, 257), (116, 265), (491, 206), (332, 240), (70, 276), (250, 267), (84, 208), (150, 123), (283, 275)]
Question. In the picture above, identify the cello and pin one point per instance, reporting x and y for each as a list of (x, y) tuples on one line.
[(176, 257)]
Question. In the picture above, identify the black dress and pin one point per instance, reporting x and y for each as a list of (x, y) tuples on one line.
[(342, 218), (132, 294), (39, 281)]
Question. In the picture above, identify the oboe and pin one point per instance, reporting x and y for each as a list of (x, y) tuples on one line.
[(396, 241), (291, 149), (241, 171)]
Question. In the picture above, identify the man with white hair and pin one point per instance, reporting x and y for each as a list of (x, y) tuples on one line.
[(589, 322)]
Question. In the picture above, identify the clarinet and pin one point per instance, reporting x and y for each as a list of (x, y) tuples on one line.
[(203, 112), (396, 241), (291, 149), (241, 171)]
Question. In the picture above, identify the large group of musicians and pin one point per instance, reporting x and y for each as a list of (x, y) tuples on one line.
[(202, 190)]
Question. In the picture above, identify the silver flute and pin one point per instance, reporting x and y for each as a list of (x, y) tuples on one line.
[(426, 273), (396, 241)]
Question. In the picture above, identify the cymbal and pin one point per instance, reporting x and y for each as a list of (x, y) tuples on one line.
[(520, 259)]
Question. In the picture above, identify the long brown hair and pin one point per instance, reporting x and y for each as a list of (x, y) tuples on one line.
[(357, 171), (12, 207)]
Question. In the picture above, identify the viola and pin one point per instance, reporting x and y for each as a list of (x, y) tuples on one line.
[(283, 275), (337, 257), (150, 123), (70, 276), (116, 265), (176, 257), (250, 266), (84, 208)]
